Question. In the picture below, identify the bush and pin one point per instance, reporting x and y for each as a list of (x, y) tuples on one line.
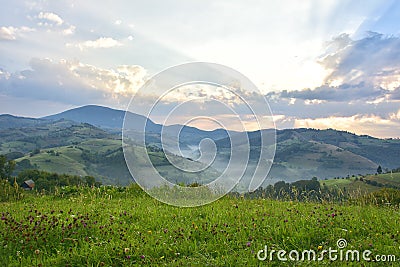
[(385, 196)]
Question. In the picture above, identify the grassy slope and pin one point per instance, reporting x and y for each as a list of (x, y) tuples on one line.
[(386, 178), (70, 161), (66, 162), (351, 184), (301, 159), (134, 229)]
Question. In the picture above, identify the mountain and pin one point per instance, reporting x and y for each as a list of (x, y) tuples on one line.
[(108, 118), (69, 147), (104, 117), (10, 121), (305, 153), (89, 140)]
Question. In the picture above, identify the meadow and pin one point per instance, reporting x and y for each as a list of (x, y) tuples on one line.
[(123, 226)]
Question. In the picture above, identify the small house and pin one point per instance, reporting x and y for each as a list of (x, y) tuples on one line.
[(28, 185)]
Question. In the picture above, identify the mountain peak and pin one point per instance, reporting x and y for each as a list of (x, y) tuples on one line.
[(100, 116)]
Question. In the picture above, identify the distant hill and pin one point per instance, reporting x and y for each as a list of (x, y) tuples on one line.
[(108, 118), (300, 153), (305, 153), (69, 147), (10, 121), (103, 117)]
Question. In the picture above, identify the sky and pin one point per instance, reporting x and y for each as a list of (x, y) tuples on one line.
[(319, 64)]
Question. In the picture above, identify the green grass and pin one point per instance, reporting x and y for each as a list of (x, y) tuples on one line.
[(123, 227), (16, 146), (101, 145), (63, 163), (350, 185), (356, 185), (386, 178)]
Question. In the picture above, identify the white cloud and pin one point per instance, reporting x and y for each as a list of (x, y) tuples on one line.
[(11, 33), (395, 116), (367, 68), (70, 30), (50, 18), (7, 33), (359, 124), (72, 82), (372, 60), (103, 42)]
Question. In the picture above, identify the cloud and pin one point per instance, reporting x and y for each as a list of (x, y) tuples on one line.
[(72, 82), (359, 124), (7, 33), (372, 60), (394, 94), (314, 109), (53, 22), (366, 69), (70, 30), (50, 18), (343, 92), (10, 33), (103, 42)]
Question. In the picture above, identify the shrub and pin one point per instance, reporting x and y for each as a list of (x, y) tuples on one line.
[(384, 196)]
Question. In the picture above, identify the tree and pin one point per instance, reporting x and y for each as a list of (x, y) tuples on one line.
[(3, 161), (6, 167), (379, 170)]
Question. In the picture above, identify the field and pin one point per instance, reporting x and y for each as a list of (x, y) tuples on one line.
[(112, 226), (364, 184)]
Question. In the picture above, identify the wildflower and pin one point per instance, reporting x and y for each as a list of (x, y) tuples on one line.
[(319, 247), (248, 244), (126, 250), (149, 232), (142, 256), (37, 252)]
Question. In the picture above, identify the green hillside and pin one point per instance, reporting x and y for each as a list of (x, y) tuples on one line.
[(83, 149), (104, 159), (364, 184)]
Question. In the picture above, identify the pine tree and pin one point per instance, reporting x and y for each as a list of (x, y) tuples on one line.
[(379, 170)]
